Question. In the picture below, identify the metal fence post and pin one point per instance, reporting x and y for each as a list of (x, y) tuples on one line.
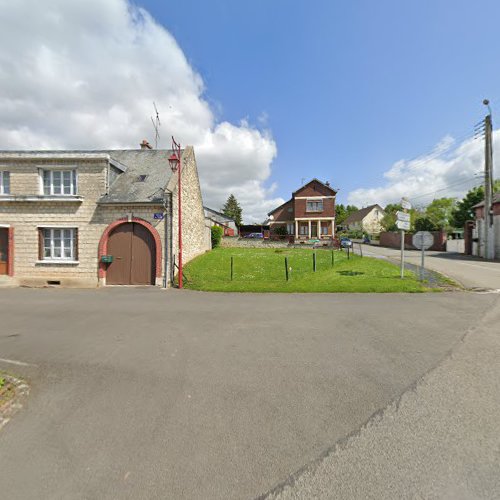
[(333, 258), (286, 268), (231, 268), (314, 261)]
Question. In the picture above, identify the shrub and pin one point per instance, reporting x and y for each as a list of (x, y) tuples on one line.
[(216, 233), (280, 230)]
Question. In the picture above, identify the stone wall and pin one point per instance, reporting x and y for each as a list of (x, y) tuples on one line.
[(194, 235)]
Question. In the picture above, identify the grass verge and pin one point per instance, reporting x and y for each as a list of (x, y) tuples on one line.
[(264, 270)]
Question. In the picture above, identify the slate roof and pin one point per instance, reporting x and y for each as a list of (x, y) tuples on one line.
[(218, 216), (494, 199), (361, 214), (126, 188)]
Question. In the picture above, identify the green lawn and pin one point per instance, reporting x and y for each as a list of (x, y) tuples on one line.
[(263, 270)]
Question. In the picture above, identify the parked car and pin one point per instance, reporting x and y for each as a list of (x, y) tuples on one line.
[(254, 235), (345, 242)]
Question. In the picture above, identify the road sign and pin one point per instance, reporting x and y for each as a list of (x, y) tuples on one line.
[(158, 216), (403, 225), (423, 240), (405, 203), (403, 216)]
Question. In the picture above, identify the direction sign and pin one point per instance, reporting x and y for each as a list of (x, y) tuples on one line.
[(405, 203), (423, 240), (403, 216), (403, 225)]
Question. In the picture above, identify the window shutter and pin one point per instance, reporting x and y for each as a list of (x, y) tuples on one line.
[(75, 244), (40, 243)]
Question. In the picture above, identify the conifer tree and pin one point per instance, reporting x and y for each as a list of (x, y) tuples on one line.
[(232, 209)]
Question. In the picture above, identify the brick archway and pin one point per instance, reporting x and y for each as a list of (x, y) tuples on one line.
[(103, 243)]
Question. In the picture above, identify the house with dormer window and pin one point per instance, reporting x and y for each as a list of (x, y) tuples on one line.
[(101, 217), (309, 214)]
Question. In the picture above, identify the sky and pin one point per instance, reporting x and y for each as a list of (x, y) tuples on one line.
[(379, 98)]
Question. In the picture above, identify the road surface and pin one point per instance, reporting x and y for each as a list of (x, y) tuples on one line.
[(141, 393), (469, 271)]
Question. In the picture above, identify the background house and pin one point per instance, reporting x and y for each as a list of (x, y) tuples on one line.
[(368, 220), (83, 218), (474, 232), (219, 219), (309, 214)]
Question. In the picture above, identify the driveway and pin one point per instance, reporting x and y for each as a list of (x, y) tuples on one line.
[(471, 272), (142, 393)]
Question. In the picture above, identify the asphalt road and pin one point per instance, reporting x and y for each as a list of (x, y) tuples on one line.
[(471, 272), (141, 393)]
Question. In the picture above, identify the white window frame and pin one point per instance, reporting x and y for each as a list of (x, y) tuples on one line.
[(290, 227), (303, 229), (53, 186), (3, 175), (53, 244), (314, 203), (324, 229)]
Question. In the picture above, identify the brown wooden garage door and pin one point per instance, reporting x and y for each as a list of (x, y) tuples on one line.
[(134, 255)]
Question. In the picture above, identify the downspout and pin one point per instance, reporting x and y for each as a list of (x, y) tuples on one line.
[(167, 204)]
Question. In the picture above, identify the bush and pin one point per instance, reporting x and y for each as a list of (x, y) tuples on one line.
[(216, 233), (280, 231)]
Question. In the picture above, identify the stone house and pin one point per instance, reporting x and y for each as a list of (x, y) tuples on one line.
[(309, 214), (368, 220), (89, 218)]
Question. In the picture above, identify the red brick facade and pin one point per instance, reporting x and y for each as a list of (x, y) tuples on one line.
[(312, 223)]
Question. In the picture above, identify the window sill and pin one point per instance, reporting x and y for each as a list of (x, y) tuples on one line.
[(57, 262), (42, 198)]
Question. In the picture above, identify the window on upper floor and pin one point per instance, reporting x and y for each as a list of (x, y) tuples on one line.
[(58, 244), (4, 182), (59, 182), (314, 206)]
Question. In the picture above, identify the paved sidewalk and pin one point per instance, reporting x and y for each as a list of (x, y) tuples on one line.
[(439, 440)]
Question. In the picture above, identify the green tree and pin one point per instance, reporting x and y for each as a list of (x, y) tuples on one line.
[(425, 224), (342, 212), (463, 210), (439, 212), (232, 209)]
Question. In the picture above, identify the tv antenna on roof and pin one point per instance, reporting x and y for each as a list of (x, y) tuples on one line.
[(156, 125)]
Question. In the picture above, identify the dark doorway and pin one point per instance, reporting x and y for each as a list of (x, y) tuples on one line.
[(4, 250), (134, 255)]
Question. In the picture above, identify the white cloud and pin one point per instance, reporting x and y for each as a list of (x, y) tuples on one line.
[(85, 74), (450, 170)]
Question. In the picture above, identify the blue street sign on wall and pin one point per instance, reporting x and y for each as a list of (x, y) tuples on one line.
[(158, 215)]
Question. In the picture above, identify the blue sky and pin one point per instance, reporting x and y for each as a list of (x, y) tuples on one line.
[(349, 87), (361, 93)]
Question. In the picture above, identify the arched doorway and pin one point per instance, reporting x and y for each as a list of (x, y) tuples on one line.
[(133, 249)]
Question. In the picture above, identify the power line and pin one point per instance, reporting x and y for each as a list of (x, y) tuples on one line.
[(445, 188)]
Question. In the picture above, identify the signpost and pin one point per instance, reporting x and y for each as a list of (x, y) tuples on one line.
[(403, 223), (422, 240)]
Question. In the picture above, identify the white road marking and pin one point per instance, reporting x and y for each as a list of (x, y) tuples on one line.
[(14, 362)]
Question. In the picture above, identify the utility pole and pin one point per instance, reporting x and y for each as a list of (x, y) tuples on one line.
[(488, 183)]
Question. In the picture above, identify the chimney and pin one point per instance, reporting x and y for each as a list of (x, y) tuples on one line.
[(327, 183), (145, 144)]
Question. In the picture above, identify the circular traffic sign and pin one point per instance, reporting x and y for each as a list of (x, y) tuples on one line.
[(423, 240)]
